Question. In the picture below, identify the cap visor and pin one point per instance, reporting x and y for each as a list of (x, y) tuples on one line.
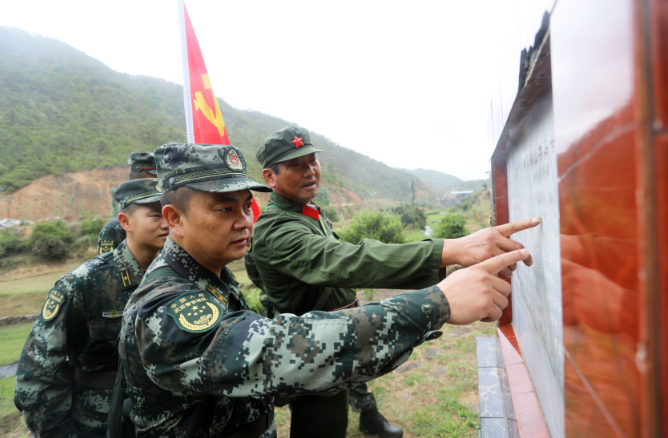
[(298, 152), (148, 200), (233, 184)]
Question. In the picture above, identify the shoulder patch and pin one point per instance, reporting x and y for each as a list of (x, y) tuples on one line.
[(53, 303), (195, 312), (126, 280), (106, 245)]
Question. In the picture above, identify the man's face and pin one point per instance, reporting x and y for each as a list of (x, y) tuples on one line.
[(148, 226), (298, 179), (217, 227)]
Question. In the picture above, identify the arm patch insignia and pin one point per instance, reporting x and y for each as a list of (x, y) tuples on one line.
[(195, 312), (106, 245), (54, 301)]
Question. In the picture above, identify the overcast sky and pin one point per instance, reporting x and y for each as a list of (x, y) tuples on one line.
[(406, 83)]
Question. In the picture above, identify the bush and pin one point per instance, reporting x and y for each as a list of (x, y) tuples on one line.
[(376, 225), (413, 217), (10, 242), (85, 241), (52, 230), (331, 213), (92, 226), (50, 248), (450, 226)]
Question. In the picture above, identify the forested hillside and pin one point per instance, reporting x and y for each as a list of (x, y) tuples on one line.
[(63, 111)]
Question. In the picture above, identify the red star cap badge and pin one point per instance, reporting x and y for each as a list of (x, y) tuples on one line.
[(298, 142)]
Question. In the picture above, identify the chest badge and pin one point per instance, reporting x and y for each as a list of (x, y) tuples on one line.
[(112, 314), (53, 304), (194, 313)]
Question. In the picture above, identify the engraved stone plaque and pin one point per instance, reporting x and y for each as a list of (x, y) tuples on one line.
[(536, 296)]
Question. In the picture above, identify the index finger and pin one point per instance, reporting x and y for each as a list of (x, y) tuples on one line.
[(515, 227), (496, 264)]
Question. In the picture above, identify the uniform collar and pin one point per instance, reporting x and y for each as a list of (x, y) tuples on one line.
[(290, 205), (127, 266), (183, 263)]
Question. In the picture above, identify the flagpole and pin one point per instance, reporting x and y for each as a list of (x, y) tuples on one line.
[(187, 99)]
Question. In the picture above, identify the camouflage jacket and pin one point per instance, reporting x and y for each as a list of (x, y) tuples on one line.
[(78, 328), (111, 235), (196, 360), (297, 256)]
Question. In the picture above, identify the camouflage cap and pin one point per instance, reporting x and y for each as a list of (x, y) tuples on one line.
[(207, 167), (283, 145), (141, 162), (137, 191)]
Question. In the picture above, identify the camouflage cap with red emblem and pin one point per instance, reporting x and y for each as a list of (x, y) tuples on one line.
[(207, 167), (283, 145)]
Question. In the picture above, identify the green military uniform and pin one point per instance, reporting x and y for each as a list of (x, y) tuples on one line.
[(112, 234), (302, 266), (67, 368), (199, 364)]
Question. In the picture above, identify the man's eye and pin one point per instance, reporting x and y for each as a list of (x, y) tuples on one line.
[(248, 205)]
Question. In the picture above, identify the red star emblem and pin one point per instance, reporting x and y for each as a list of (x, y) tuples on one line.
[(298, 142)]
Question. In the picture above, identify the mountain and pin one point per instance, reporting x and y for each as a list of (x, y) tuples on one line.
[(441, 182), (63, 111)]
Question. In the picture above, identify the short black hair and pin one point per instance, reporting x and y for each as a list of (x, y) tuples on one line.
[(130, 209), (274, 168), (179, 198)]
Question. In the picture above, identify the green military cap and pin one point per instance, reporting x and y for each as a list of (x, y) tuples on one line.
[(137, 191), (141, 162), (283, 145), (207, 167)]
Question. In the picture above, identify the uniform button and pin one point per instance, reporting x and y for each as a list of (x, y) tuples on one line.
[(426, 309)]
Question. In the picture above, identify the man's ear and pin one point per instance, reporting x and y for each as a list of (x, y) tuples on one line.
[(269, 177), (174, 218), (124, 220)]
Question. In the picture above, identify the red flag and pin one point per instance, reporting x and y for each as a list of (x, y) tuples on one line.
[(204, 121)]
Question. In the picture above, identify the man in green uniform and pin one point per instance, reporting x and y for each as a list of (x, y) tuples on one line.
[(142, 165), (198, 363), (301, 266), (67, 368)]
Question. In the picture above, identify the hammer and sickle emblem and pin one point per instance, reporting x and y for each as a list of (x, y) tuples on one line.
[(216, 118)]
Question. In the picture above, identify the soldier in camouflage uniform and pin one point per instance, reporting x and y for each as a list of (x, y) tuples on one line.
[(198, 363), (67, 368), (142, 165), (303, 267)]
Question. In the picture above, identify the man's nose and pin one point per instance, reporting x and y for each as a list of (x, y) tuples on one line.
[(245, 220), (309, 170)]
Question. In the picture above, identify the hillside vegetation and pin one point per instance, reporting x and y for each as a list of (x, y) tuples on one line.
[(63, 111)]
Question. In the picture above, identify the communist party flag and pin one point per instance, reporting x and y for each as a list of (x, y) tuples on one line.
[(204, 121)]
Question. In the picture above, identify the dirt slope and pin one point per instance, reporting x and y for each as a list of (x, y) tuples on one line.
[(66, 196)]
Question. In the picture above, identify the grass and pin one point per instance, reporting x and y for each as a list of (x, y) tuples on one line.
[(12, 339)]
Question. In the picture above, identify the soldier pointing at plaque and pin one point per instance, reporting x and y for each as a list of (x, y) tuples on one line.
[(142, 165), (297, 260), (68, 366), (198, 363)]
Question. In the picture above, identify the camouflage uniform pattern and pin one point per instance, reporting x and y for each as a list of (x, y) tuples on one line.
[(78, 328), (194, 383), (111, 235)]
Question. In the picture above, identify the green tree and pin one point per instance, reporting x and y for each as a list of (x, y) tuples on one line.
[(92, 226), (374, 224), (411, 216), (52, 230), (450, 226)]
